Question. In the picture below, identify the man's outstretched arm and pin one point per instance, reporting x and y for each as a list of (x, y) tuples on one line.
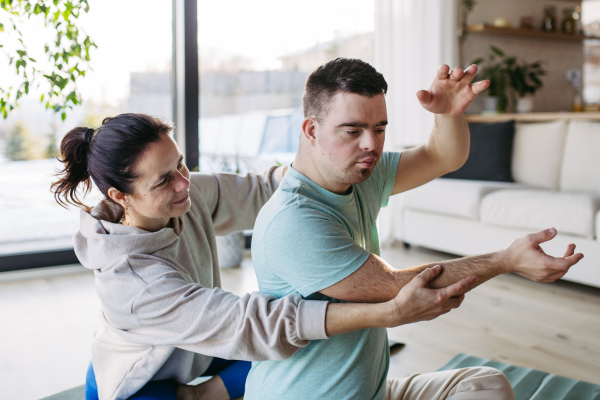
[(376, 281)]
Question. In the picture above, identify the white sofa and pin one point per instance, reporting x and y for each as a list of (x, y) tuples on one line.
[(556, 168)]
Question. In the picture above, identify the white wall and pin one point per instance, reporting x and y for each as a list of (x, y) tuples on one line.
[(412, 39)]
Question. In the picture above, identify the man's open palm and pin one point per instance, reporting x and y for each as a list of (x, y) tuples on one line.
[(526, 258), (451, 91)]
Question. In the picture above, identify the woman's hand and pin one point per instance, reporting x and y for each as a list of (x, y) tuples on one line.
[(417, 302)]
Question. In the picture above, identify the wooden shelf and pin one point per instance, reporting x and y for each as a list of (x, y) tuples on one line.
[(526, 33), (534, 117)]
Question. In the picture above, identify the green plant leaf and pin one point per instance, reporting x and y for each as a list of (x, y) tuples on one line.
[(20, 63), (497, 51), (68, 52), (535, 79)]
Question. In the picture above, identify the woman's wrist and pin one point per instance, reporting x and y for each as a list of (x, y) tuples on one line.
[(348, 317)]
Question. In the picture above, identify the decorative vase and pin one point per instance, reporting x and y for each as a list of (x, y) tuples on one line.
[(230, 250), (525, 105), (490, 105)]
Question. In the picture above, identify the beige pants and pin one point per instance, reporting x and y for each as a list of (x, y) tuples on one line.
[(481, 383)]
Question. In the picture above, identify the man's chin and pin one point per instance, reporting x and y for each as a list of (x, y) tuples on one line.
[(359, 175)]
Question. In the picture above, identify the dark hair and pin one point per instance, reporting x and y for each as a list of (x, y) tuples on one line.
[(348, 75), (107, 156)]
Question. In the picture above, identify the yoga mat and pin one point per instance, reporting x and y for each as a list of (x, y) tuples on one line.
[(531, 384)]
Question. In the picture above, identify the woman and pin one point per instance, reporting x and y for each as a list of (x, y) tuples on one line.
[(151, 244)]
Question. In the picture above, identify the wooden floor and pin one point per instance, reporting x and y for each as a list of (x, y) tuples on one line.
[(47, 325), (551, 327)]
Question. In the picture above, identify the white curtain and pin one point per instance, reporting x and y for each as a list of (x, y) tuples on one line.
[(412, 39)]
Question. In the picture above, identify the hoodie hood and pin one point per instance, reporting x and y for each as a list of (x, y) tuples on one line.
[(101, 239)]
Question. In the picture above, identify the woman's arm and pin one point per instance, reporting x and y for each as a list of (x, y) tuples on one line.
[(235, 200), (169, 310)]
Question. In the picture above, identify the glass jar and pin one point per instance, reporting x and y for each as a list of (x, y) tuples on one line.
[(549, 20), (568, 24)]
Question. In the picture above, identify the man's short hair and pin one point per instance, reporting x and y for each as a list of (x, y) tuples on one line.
[(348, 75)]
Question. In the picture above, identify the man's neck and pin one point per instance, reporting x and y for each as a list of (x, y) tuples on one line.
[(309, 168)]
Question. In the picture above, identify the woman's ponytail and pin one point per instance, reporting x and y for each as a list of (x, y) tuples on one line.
[(74, 151)]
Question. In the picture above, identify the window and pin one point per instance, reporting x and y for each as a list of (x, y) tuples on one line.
[(254, 61), (131, 73)]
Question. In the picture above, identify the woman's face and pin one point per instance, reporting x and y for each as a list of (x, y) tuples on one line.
[(161, 191)]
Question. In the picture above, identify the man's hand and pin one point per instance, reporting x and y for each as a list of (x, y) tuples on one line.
[(525, 257), (417, 302), (451, 91)]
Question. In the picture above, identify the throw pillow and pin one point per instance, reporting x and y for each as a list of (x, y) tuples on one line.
[(491, 153), (538, 152), (581, 162)]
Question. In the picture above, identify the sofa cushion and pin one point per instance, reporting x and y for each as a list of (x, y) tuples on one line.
[(538, 152), (570, 213), (490, 153), (458, 197), (581, 162)]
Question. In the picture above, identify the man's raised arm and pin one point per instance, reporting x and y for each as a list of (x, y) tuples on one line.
[(448, 146), (376, 281)]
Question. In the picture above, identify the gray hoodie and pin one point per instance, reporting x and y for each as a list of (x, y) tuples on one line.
[(163, 315)]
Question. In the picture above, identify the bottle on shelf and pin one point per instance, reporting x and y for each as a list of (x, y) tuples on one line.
[(549, 20), (569, 23), (577, 103)]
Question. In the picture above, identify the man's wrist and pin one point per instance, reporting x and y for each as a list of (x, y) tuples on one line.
[(502, 262), (461, 115)]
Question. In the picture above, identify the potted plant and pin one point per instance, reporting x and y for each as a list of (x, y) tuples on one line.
[(525, 81), (495, 70), (509, 77)]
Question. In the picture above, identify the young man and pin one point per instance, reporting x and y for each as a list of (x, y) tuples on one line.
[(317, 236)]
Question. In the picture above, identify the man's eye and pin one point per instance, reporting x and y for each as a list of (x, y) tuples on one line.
[(380, 130), (352, 132)]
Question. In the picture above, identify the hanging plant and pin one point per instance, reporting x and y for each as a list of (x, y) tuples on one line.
[(68, 52)]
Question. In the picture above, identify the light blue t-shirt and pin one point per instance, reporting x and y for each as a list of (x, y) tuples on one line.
[(305, 240)]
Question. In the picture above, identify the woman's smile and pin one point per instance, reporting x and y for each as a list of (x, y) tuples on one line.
[(187, 196)]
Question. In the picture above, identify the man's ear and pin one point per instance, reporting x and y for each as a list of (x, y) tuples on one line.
[(309, 129), (118, 197)]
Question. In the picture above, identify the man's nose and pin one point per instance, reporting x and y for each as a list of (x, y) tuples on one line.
[(369, 140)]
